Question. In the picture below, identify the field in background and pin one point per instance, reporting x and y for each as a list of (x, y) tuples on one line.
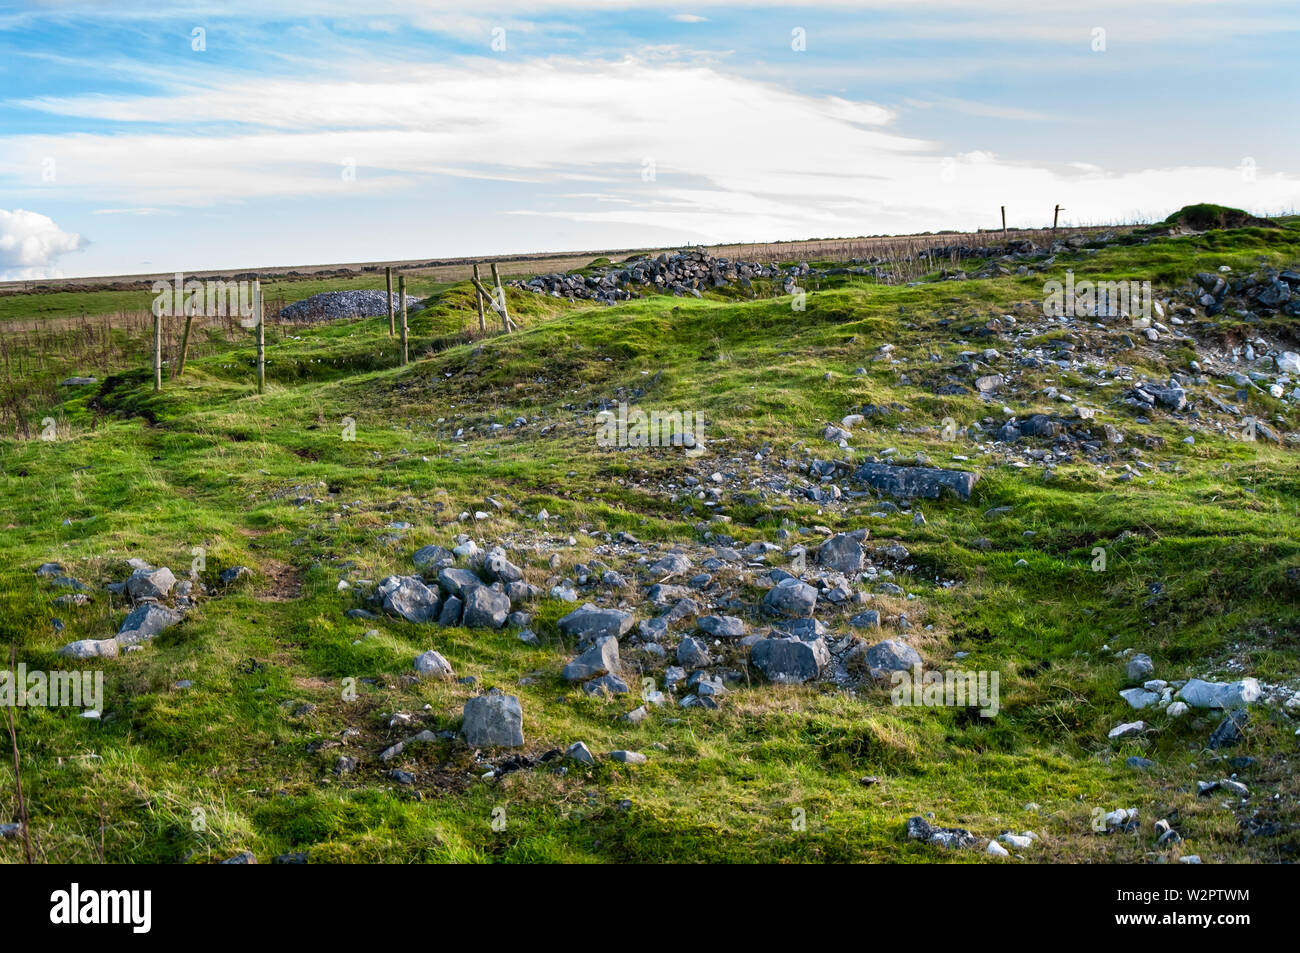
[(514, 266), (58, 328)]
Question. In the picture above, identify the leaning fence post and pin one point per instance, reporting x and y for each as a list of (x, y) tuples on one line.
[(185, 339), (261, 338), (1004, 221), (388, 274), (401, 292)]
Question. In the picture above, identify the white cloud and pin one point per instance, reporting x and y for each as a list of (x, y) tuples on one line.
[(30, 244), (985, 110), (734, 158), (128, 211), (689, 18)]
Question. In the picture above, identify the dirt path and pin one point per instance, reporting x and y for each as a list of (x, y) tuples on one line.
[(284, 583)]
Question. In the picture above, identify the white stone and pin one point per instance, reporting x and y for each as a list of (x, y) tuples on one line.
[(1127, 729), (1139, 698), (1018, 841), (1226, 695)]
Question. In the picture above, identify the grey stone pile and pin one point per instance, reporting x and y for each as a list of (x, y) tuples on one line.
[(1261, 294), (488, 592), (687, 272), (158, 602), (333, 305)]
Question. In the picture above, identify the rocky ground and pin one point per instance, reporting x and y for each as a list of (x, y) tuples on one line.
[(642, 638)]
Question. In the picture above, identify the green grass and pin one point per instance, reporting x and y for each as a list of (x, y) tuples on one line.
[(210, 463)]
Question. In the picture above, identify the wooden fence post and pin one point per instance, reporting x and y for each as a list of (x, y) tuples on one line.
[(478, 297), (1056, 212), (261, 338), (401, 292), (157, 349), (1004, 221), (388, 274), (500, 291), (185, 342)]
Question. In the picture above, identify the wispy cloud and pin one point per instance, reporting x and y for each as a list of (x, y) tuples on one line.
[(604, 116), (986, 110), (734, 158)]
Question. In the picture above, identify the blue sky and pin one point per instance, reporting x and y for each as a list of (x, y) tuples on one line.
[(315, 133)]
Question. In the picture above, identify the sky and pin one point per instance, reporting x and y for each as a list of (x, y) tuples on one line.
[(146, 137)]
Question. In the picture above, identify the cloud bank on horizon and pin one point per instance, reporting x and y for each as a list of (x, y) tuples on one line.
[(227, 136)]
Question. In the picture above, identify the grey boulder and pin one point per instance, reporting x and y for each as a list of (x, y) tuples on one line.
[(579, 752), (451, 610), (592, 622), (1231, 731), (891, 656), (432, 664), (791, 597), (1139, 668), (918, 828), (409, 597), (494, 720), (606, 683), (722, 626), (1225, 695), (627, 757), (150, 584), (806, 629), (790, 661), (433, 557), (91, 648), (234, 574), (145, 621), (499, 569), (485, 608), (673, 564), (869, 619), (692, 654), (602, 658), (458, 581), (842, 553)]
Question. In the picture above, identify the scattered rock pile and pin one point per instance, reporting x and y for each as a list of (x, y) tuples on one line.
[(692, 625), (694, 271), (1260, 294), (159, 601), (684, 273)]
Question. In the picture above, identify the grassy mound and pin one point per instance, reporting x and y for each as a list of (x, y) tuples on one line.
[(1205, 216)]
